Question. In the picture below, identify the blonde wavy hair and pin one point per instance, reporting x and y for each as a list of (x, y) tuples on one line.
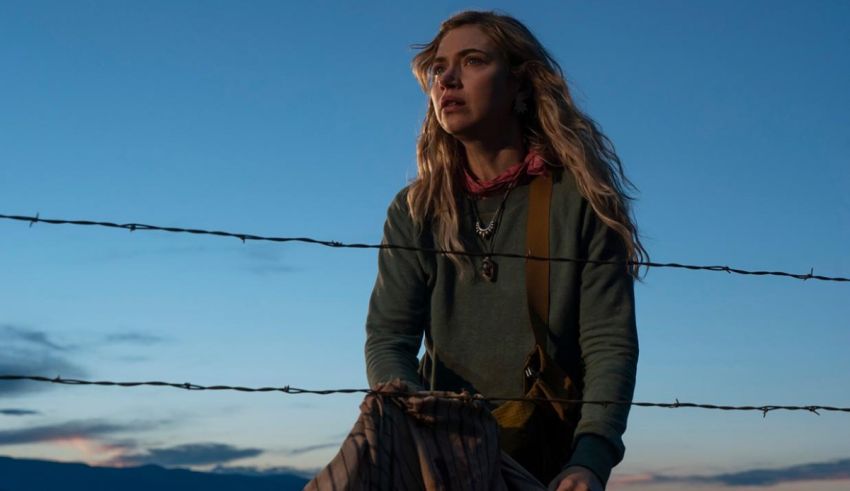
[(553, 126)]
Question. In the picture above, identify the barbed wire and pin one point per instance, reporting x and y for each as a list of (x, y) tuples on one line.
[(133, 227), (764, 409)]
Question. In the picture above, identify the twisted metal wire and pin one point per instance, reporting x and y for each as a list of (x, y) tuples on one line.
[(132, 227), (286, 389)]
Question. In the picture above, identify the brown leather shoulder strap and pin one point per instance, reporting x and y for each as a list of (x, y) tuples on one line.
[(537, 244)]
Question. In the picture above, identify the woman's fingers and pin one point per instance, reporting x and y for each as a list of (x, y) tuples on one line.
[(577, 479)]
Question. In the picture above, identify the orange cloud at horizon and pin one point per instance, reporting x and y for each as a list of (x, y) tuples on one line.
[(93, 451)]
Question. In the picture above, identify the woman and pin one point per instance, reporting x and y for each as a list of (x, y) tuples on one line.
[(499, 114)]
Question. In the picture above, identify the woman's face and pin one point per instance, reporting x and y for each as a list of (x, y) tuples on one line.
[(472, 89)]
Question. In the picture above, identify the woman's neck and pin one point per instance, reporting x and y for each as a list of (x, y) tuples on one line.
[(489, 153), (488, 163), (489, 158)]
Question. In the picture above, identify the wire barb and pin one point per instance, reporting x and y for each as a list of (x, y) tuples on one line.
[(336, 244)]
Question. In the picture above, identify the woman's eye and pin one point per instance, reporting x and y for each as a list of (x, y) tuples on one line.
[(474, 61)]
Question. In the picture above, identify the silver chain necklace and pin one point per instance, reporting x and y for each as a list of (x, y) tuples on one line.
[(485, 232), (489, 268)]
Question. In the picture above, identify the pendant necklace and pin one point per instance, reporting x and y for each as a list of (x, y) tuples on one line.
[(489, 268)]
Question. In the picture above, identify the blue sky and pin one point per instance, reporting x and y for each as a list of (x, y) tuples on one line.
[(300, 119)]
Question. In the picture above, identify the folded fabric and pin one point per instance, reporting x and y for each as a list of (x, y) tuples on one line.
[(423, 442)]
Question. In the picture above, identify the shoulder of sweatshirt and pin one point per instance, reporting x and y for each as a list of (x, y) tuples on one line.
[(398, 208), (565, 183)]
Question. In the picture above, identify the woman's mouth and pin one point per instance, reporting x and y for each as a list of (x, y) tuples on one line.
[(449, 103), (452, 106)]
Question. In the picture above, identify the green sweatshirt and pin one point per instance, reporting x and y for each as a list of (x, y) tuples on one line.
[(480, 330)]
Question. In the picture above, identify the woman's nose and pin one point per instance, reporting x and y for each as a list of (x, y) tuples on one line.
[(449, 78)]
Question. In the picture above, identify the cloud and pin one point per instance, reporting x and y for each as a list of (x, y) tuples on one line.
[(32, 352), (29, 351), (265, 259), (818, 471), (30, 337), (191, 454), (133, 337), (837, 469), (18, 412), (267, 253), (72, 430), (310, 448)]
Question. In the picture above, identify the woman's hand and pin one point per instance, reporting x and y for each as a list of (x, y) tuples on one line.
[(576, 478)]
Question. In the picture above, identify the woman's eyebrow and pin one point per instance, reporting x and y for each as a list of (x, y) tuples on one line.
[(462, 53)]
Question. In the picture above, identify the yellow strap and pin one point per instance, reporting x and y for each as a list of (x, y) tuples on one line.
[(537, 243)]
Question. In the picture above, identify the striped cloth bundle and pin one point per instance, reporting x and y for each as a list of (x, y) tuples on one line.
[(424, 443)]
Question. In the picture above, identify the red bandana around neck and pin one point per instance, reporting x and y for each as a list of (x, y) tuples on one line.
[(532, 165)]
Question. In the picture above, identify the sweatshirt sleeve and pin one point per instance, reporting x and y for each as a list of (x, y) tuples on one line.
[(609, 346), (399, 304)]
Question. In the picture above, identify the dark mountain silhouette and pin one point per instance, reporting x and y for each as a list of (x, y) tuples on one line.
[(37, 475)]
